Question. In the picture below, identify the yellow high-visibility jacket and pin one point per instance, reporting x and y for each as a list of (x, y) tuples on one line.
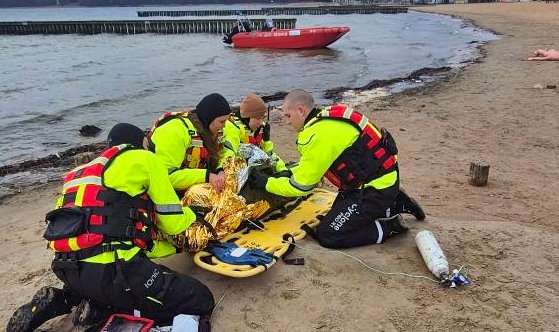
[(136, 172), (320, 143), (172, 142), (236, 132)]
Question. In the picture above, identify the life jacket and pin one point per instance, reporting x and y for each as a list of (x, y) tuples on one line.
[(247, 135), (371, 156), (93, 218), (196, 156)]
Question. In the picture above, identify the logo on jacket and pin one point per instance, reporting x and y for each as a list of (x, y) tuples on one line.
[(151, 280), (342, 217)]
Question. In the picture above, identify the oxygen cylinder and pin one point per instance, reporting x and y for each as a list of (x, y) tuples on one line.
[(432, 253), (185, 323)]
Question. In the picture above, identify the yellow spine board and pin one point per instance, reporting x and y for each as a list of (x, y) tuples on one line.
[(271, 239)]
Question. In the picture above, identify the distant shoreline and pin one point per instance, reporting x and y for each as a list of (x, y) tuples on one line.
[(177, 5)]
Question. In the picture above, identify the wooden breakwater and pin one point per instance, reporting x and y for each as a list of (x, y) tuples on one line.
[(317, 10), (131, 27)]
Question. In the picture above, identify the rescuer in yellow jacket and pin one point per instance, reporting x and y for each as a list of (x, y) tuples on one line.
[(102, 232), (344, 146), (189, 146), (248, 126)]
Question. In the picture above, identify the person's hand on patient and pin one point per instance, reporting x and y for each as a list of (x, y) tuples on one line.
[(218, 181)]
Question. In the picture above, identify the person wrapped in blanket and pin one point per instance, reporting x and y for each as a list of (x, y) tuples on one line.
[(188, 143), (103, 233), (248, 126), (344, 146)]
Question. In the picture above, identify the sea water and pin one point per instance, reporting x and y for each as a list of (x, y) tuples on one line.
[(52, 85)]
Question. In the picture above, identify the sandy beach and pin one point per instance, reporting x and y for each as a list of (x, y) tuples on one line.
[(496, 109)]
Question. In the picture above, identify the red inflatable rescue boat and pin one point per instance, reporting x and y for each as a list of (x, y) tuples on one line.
[(307, 38)]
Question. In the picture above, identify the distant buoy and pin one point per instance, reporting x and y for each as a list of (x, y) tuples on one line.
[(432, 254)]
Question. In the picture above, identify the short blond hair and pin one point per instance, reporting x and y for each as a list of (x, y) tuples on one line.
[(301, 97)]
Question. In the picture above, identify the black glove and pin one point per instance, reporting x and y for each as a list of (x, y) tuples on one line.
[(257, 180), (199, 211), (388, 141), (266, 132), (286, 173)]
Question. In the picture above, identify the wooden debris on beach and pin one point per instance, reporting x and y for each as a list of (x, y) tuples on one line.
[(479, 173)]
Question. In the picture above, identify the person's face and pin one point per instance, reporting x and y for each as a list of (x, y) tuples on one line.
[(294, 113), (217, 124), (255, 123)]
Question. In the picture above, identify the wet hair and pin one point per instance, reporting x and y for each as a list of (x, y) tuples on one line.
[(210, 141)]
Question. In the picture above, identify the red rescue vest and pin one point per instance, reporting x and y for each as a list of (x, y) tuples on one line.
[(371, 156), (196, 155), (94, 217)]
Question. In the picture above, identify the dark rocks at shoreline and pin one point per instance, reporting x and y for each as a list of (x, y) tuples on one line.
[(336, 93), (90, 131), (274, 97), (30, 174), (64, 158)]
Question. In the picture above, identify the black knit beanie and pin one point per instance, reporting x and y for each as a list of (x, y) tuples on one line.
[(125, 133), (211, 107)]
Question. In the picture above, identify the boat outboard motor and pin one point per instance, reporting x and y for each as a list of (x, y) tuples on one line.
[(228, 38), (243, 25)]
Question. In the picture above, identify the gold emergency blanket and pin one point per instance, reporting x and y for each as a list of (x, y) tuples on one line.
[(226, 210)]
